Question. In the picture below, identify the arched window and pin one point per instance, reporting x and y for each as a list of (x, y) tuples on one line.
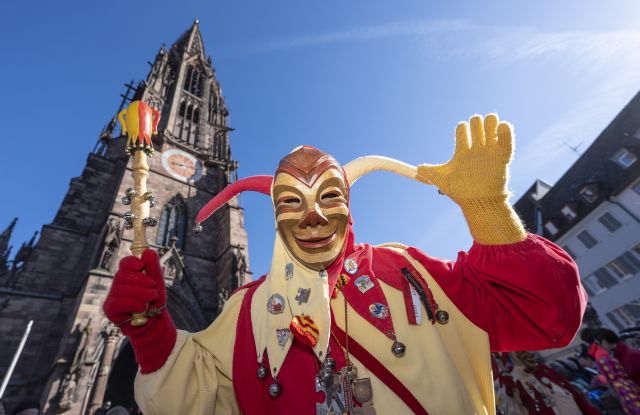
[(173, 223), (193, 81)]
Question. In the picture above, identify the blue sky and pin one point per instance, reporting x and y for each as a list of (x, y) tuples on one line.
[(353, 78)]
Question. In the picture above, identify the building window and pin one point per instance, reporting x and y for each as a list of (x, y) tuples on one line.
[(187, 127), (193, 81), (627, 315), (625, 266), (610, 222), (569, 251), (551, 228), (589, 193), (568, 212), (624, 158), (173, 223), (599, 282), (587, 239)]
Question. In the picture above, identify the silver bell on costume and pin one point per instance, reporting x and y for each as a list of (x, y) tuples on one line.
[(398, 349), (274, 390), (262, 372)]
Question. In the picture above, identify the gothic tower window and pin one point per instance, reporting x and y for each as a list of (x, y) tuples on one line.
[(187, 127), (193, 81), (173, 223)]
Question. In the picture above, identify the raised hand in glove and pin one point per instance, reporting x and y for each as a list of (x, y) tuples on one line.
[(138, 286), (476, 179)]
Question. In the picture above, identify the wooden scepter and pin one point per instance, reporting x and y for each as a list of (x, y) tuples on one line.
[(139, 122)]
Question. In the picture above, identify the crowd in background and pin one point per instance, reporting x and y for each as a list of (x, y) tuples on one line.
[(602, 377)]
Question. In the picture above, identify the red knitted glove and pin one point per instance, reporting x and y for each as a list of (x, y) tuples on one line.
[(138, 286)]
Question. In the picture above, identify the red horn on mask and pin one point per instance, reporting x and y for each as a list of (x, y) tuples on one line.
[(260, 184)]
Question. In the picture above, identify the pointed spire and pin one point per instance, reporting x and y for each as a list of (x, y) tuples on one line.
[(5, 248), (191, 40)]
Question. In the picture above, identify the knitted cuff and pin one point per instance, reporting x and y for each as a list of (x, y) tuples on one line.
[(492, 221), (154, 345)]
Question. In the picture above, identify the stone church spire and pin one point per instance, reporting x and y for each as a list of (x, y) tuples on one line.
[(182, 85), (5, 248)]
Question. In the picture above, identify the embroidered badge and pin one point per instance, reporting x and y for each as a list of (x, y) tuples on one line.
[(283, 336), (379, 310), (275, 304), (351, 266), (305, 330), (303, 295), (288, 271), (364, 283)]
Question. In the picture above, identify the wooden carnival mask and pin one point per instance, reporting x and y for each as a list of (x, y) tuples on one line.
[(311, 203)]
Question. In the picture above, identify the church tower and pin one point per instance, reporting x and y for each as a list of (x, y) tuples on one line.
[(75, 361)]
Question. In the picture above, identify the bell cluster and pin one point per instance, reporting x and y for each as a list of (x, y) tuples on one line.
[(129, 217)]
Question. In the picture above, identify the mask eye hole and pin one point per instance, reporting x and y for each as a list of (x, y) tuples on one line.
[(330, 195), (291, 201)]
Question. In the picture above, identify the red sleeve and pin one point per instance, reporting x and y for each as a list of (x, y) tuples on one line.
[(526, 296)]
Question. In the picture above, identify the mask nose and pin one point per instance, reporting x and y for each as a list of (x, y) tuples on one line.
[(313, 218)]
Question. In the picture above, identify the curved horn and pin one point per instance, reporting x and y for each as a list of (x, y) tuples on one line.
[(260, 184), (363, 165)]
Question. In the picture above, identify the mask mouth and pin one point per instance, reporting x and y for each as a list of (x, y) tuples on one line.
[(315, 242)]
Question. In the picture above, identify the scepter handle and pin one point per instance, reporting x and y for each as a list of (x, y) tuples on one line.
[(140, 210)]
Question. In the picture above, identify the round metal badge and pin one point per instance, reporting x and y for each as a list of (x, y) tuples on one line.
[(379, 310), (351, 266), (275, 304)]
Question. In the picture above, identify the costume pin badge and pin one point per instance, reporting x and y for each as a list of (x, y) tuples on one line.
[(283, 336), (288, 271), (303, 295), (275, 304), (364, 283), (351, 266), (379, 310)]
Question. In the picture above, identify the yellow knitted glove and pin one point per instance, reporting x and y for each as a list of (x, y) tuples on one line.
[(476, 179)]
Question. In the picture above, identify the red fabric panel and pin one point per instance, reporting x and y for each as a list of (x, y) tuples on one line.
[(296, 377), (526, 296)]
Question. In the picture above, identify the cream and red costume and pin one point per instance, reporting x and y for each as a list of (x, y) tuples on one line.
[(419, 328)]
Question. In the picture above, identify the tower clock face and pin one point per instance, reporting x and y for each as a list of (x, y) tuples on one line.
[(182, 165)]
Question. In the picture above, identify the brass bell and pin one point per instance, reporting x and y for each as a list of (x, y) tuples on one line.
[(126, 200), (398, 349), (262, 372), (130, 192), (127, 225), (274, 390), (128, 216)]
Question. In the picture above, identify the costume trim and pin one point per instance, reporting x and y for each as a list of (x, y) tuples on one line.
[(378, 369)]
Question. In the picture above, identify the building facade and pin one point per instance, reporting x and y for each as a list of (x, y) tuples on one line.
[(593, 212), (75, 361)]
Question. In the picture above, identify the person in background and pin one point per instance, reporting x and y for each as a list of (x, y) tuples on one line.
[(27, 408), (541, 390), (609, 354)]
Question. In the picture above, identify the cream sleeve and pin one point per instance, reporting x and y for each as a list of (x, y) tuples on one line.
[(196, 378)]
